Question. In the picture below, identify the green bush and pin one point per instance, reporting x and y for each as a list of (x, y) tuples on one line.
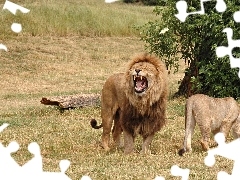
[(195, 41), (154, 2), (130, 1)]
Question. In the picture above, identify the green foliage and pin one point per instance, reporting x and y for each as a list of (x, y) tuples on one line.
[(130, 1), (154, 2), (195, 41)]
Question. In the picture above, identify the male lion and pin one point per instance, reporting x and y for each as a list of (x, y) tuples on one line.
[(212, 115), (136, 101)]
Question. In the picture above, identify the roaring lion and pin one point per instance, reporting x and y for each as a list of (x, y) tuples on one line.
[(136, 101), (212, 115)]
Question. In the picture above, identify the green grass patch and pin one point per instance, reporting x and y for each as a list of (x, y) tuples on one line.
[(84, 18)]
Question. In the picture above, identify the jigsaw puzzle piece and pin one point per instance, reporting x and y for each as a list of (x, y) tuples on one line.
[(64, 165), (223, 176), (33, 169), (12, 7), (159, 178), (221, 6), (7, 164), (34, 165), (86, 178), (177, 171), (2, 46), (236, 16), (222, 51), (4, 125), (182, 8), (111, 1), (16, 27), (53, 176), (210, 158), (229, 151)]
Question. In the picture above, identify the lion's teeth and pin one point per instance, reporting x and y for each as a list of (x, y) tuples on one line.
[(141, 78), (134, 77)]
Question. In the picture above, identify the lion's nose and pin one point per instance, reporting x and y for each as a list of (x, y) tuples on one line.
[(137, 70)]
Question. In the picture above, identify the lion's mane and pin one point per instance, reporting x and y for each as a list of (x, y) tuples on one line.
[(158, 92), (148, 111)]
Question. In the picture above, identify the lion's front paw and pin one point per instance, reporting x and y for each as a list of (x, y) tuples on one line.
[(129, 151), (183, 150), (106, 148)]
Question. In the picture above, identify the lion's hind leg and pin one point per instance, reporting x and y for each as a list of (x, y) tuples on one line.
[(107, 126), (206, 133), (117, 131), (190, 124), (236, 128)]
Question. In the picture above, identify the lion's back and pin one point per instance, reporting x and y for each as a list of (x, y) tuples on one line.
[(214, 109), (112, 92)]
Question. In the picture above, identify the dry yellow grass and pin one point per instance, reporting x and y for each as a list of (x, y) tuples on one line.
[(52, 65)]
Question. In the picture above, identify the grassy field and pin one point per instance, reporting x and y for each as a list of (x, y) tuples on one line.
[(67, 18), (71, 47)]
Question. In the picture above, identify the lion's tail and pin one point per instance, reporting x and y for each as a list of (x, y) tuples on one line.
[(190, 124), (94, 124)]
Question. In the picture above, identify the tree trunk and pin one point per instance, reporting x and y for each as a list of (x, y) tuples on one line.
[(186, 87)]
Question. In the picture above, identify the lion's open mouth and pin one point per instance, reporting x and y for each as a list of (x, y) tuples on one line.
[(140, 83)]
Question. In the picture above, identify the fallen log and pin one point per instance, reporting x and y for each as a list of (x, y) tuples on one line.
[(72, 101)]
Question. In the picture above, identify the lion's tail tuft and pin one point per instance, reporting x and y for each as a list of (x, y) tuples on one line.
[(94, 124)]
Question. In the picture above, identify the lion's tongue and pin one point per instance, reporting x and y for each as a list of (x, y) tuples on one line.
[(140, 85)]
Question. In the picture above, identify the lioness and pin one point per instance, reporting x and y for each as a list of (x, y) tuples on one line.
[(136, 101), (212, 115)]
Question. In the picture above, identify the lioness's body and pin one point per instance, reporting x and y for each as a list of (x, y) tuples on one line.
[(136, 101), (211, 115)]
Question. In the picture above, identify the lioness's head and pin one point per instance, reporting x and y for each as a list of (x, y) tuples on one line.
[(145, 79)]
